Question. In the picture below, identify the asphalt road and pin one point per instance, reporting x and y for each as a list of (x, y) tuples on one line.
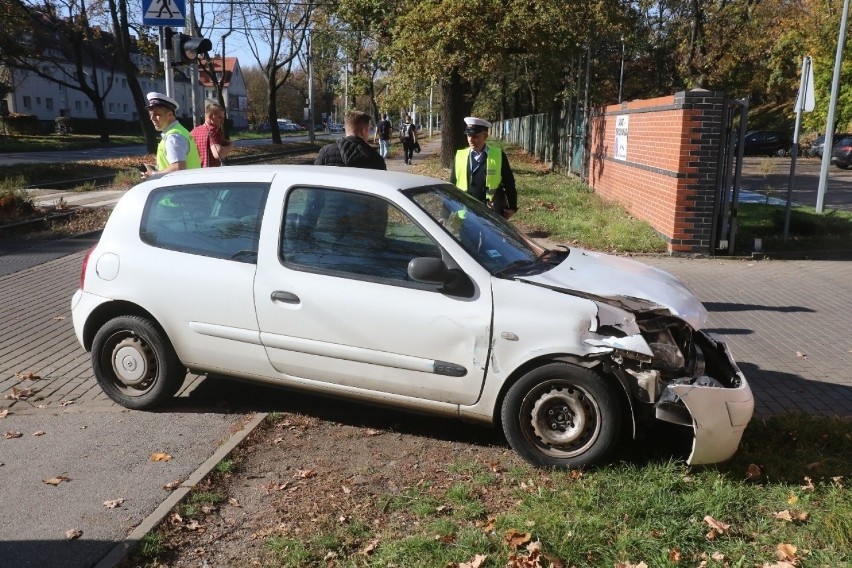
[(771, 177)]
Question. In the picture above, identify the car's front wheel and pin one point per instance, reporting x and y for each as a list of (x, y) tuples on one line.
[(561, 415), (135, 364)]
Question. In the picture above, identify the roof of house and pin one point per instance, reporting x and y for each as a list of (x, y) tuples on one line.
[(230, 64)]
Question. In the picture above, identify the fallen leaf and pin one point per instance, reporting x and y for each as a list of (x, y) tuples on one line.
[(516, 539), (194, 525), (12, 434), (445, 538), (488, 525), (172, 485), (373, 432), (175, 518), (809, 484), (630, 565), (753, 472), (718, 526), (270, 487), (72, 534), (234, 502), (113, 503), (786, 552), (28, 376), (345, 489), (305, 473), (56, 480), (20, 394), (801, 355), (39, 433), (718, 556), (4, 413), (371, 547), (160, 457), (59, 318), (64, 403), (478, 560), (784, 515), (838, 481), (674, 555)]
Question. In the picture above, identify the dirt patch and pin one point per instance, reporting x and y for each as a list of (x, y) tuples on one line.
[(340, 468)]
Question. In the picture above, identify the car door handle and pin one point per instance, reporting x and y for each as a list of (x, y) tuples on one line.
[(286, 297)]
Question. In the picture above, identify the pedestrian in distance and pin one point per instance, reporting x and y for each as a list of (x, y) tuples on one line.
[(212, 145), (408, 137), (483, 170), (352, 150), (383, 134), (177, 149)]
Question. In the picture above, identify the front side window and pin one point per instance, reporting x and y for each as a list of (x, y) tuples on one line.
[(489, 238), (218, 220), (351, 234)]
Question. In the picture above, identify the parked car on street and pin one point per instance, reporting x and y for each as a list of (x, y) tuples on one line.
[(816, 148), (841, 154), (402, 291), (766, 143)]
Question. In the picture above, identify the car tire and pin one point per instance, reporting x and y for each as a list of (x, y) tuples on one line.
[(560, 415), (135, 364)]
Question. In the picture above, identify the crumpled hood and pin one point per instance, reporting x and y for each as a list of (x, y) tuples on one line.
[(623, 282)]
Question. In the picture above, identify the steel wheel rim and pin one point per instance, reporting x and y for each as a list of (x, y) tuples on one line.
[(561, 419), (132, 362)]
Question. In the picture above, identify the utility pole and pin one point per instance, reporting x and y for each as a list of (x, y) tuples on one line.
[(310, 92), (829, 123), (193, 67)]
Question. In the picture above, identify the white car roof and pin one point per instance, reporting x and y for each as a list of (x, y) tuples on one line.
[(374, 181)]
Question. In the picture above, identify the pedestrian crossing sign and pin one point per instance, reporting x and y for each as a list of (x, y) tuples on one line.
[(163, 12)]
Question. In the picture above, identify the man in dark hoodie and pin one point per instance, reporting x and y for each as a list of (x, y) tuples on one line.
[(352, 151)]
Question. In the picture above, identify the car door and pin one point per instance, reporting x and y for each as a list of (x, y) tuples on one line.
[(335, 304)]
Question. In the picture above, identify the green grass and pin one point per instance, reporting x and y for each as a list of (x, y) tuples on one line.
[(652, 512), (25, 143), (808, 230)]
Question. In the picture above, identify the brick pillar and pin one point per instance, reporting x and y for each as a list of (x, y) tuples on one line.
[(666, 171)]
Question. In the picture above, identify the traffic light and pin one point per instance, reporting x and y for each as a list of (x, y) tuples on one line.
[(186, 48)]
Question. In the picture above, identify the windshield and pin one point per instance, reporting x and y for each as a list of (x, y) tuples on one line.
[(489, 238)]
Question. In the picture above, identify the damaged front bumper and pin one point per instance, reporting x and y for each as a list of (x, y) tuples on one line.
[(675, 373), (717, 413)]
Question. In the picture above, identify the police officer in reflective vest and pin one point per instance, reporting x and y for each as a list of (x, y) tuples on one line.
[(177, 149), (483, 170)]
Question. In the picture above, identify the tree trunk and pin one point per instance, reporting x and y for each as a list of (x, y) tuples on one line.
[(456, 106)]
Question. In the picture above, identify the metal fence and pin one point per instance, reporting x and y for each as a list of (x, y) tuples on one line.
[(560, 142)]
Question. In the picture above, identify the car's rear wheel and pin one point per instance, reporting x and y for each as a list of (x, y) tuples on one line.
[(561, 415), (135, 364)]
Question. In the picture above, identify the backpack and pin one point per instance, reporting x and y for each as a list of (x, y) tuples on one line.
[(383, 128), (405, 131)]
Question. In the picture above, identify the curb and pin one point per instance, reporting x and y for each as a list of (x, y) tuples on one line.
[(122, 549)]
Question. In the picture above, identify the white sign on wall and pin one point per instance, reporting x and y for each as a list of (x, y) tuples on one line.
[(621, 122)]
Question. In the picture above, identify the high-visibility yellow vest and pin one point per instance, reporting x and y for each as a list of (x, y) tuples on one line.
[(493, 169), (193, 159)]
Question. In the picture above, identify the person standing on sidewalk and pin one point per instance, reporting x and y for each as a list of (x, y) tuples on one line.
[(353, 150), (483, 170), (383, 132), (408, 137), (212, 145), (177, 149)]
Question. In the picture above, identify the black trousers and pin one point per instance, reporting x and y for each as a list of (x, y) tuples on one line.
[(408, 148)]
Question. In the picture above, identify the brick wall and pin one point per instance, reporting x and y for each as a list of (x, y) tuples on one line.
[(667, 174)]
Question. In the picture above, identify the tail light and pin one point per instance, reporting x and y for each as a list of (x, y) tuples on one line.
[(83, 269)]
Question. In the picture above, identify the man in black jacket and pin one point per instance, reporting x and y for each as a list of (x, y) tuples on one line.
[(352, 151)]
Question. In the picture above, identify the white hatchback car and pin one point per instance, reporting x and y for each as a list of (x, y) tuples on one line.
[(403, 291)]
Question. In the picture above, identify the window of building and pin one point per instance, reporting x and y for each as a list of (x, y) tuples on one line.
[(38, 101), (125, 109), (78, 105), (111, 108), (28, 102), (48, 103)]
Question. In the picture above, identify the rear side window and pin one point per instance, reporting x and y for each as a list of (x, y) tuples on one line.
[(216, 220)]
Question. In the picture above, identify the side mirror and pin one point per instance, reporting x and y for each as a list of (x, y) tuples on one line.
[(428, 269), (432, 270)]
